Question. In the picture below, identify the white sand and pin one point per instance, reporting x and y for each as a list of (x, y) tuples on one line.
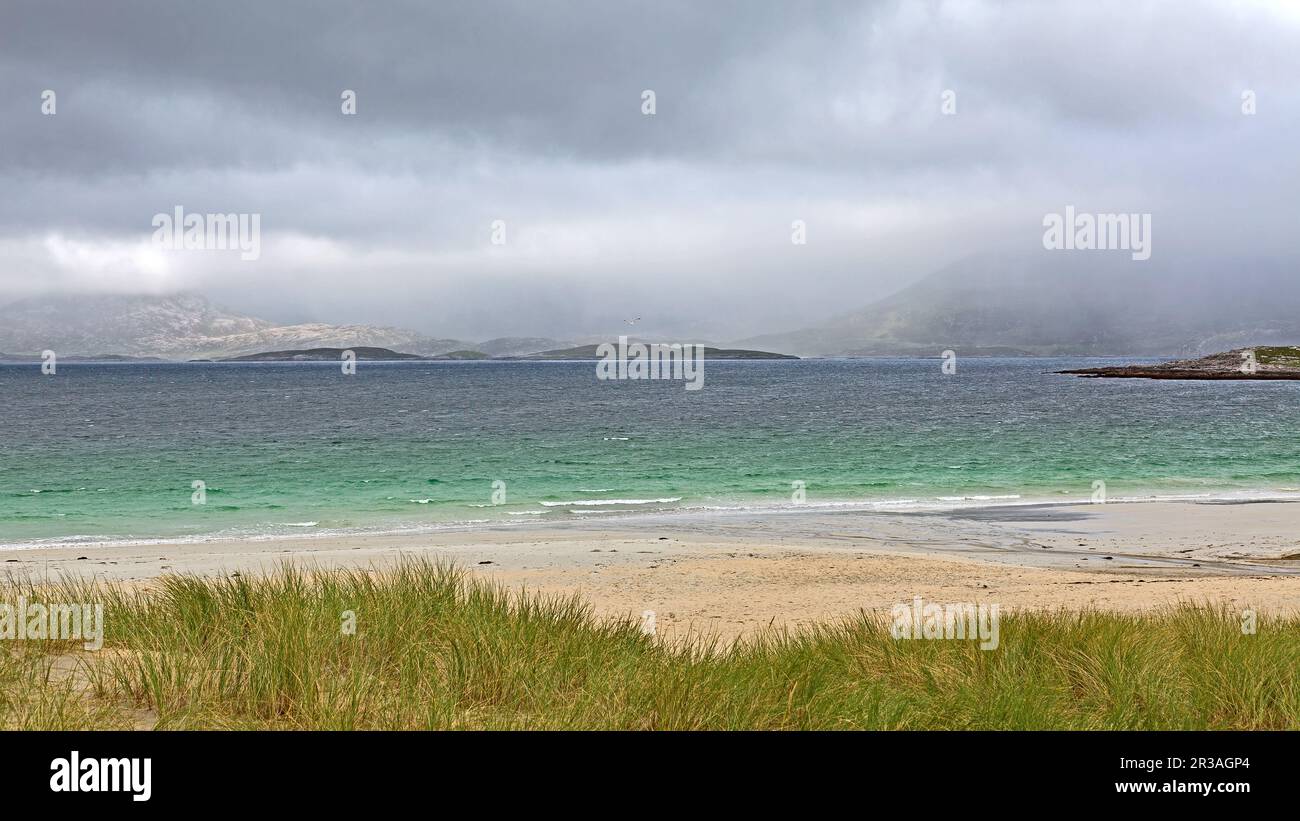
[(731, 573)]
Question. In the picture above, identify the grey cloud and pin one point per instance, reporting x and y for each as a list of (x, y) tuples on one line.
[(529, 112)]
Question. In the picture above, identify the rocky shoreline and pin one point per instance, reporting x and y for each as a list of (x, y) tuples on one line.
[(1264, 362)]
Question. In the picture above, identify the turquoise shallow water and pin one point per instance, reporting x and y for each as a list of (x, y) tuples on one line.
[(110, 452)]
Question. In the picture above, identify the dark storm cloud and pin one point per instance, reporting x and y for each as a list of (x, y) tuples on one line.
[(530, 113), (551, 79)]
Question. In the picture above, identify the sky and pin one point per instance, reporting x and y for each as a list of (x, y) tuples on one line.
[(532, 115)]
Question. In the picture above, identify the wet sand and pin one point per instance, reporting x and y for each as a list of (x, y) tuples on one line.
[(729, 574)]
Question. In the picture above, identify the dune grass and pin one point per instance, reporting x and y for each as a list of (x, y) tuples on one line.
[(435, 649), (1284, 355)]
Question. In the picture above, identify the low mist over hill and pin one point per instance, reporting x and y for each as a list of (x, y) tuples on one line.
[(184, 326), (1046, 303), (1062, 303)]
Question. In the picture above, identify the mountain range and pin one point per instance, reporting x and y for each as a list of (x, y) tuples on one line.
[(1036, 304), (188, 326)]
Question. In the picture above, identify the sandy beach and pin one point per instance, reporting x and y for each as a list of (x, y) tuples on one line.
[(729, 574)]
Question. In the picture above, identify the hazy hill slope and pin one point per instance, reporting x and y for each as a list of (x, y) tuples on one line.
[(519, 345), (183, 326), (1056, 303)]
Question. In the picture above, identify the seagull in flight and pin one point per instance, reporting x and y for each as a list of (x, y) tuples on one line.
[(632, 321)]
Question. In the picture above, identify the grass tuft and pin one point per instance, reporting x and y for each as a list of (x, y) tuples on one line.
[(436, 649)]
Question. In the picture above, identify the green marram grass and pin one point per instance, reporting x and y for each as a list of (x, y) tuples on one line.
[(436, 649), (1286, 356)]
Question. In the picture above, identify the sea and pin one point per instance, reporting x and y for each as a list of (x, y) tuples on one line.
[(121, 453)]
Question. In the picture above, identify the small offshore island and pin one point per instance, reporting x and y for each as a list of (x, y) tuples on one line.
[(585, 352), (372, 354), (1264, 362)]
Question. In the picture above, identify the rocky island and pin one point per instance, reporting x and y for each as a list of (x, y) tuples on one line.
[(1264, 362), (374, 354), (585, 352), (324, 355)]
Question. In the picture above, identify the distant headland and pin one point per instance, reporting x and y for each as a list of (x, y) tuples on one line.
[(1264, 362), (373, 354)]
